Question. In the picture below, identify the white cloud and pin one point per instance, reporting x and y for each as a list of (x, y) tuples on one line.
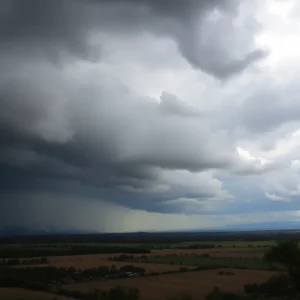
[(283, 184), (275, 197), (295, 164), (280, 34)]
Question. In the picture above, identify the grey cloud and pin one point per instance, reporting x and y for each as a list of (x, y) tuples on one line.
[(204, 32), (170, 104), (62, 29), (66, 133), (269, 108), (56, 29), (108, 138)]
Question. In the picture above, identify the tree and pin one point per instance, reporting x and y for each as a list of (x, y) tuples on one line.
[(251, 289), (113, 270), (287, 255), (118, 293), (215, 294), (279, 285)]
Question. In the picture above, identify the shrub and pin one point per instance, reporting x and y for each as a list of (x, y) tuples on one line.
[(205, 255), (215, 294), (251, 289), (279, 285), (183, 269), (119, 292)]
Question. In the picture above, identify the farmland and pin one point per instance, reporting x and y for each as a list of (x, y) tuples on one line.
[(219, 249), (158, 269), (197, 284), (167, 259), (90, 261)]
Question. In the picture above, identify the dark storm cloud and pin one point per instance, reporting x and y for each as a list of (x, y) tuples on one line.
[(71, 134), (38, 27), (62, 29), (101, 136)]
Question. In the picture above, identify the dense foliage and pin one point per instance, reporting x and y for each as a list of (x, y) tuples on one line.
[(16, 252), (115, 293), (287, 254), (44, 278), (18, 262)]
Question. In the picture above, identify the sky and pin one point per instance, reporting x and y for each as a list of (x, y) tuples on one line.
[(134, 115)]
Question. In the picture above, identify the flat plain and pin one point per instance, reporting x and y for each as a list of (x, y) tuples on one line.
[(212, 256)]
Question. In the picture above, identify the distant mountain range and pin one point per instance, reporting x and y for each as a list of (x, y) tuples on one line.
[(288, 225), (265, 226)]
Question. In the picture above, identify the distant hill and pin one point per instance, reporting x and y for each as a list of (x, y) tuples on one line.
[(265, 226), (288, 225)]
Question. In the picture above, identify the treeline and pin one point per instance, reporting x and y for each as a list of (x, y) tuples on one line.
[(115, 293), (44, 278), (70, 250), (197, 246), (19, 262), (47, 278), (127, 257), (150, 238)]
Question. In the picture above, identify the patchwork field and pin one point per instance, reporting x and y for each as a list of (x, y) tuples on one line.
[(95, 260), (198, 284), (21, 294), (168, 259)]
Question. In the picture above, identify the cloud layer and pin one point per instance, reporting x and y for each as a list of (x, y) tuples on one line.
[(145, 107)]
